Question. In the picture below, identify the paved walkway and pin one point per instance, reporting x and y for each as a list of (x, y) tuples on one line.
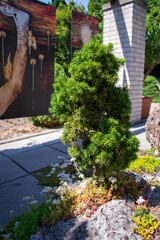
[(19, 158)]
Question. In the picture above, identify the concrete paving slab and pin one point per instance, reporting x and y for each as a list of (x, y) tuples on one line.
[(9, 170), (12, 194), (139, 131), (144, 144), (48, 139), (24, 145), (37, 158), (64, 148), (60, 146)]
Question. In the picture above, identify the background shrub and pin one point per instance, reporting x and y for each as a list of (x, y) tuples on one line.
[(48, 121), (94, 110), (151, 89), (51, 120)]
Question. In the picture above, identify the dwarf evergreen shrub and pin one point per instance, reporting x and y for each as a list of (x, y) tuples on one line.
[(94, 110), (151, 88)]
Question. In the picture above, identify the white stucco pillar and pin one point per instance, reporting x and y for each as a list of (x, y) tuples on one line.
[(125, 27)]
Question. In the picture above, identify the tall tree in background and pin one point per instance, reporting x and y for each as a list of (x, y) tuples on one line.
[(56, 3), (63, 31), (95, 8), (152, 52)]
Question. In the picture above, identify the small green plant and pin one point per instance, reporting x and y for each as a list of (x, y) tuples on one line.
[(151, 88), (88, 196), (147, 224), (22, 227), (144, 164), (95, 111), (47, 121), (52, 180), (149, 152)]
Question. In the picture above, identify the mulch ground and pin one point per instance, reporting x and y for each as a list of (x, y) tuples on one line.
[(10, 128)]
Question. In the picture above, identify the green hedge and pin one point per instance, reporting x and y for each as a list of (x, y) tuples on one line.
[(151, 89)]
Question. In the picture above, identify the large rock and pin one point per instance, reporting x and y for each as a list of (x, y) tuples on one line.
[(112, 221), (153, 129)]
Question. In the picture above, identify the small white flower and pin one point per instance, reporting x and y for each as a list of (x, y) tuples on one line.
[(61, 157), (58, 191), (94, 182), (56, 201), (156, 153), (65, 165), (79, 191), (73, 159), (140, 200), (16, 224), (11, 212), (153, 187), (65, 184), (62, 197), (115, 186), (88, 211), (81, 175), (113, 180), (34, 202), (26, 198), (138, 179), (48, 175), (83, 184), (46, 190)]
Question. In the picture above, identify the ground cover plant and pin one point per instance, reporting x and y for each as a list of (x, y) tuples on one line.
[(147, 224), (95, 111), (84, 199), (144, 164), (55, 174)]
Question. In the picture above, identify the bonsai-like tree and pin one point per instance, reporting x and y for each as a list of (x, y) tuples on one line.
[(95, 110)]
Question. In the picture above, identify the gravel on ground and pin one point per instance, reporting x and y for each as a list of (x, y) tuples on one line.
[(10, 128)]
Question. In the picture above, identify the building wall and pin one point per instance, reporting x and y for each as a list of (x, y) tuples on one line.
[(125, 27)]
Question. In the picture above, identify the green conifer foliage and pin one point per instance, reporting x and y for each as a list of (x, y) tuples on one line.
[(95, 111)]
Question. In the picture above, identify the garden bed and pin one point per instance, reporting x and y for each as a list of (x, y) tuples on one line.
[(14, 127), (72, 202)]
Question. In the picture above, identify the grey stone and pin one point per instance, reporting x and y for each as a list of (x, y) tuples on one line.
[(153, 129), (112, 221)]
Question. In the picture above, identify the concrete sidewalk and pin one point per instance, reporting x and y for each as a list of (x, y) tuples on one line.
[(19, 158)]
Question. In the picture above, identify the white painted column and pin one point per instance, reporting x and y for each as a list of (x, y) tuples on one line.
[(125, 26)]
